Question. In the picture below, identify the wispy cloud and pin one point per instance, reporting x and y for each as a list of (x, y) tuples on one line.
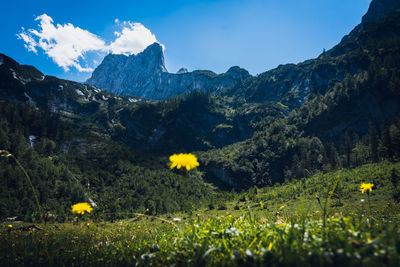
[(67, 45)]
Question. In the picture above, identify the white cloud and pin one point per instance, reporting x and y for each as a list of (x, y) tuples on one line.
[(67, 45), (30, 43), (132, 39)]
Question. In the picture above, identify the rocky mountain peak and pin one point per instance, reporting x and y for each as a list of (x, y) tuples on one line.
[(145, 75), (379, 9), (153, 57), (182, 71)]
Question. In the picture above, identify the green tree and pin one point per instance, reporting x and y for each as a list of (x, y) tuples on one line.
[(347, 147), (387, 140), (373, 142)]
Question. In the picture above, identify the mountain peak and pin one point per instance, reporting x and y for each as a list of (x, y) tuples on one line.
[(20, 72), (152, 58), (182, 70), (238, 73), (154, 47), (379, 9)]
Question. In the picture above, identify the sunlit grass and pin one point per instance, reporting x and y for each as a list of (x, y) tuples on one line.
[(221, 240), (274, 226)]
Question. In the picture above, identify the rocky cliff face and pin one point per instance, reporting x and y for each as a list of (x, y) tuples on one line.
[(145, 75), (295, 84)]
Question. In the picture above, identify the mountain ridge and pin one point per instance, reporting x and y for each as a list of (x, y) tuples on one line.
[(145, 75), (291, 84)]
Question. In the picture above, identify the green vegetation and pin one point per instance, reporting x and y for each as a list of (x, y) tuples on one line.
[(279, 226), (72, 160), (282, 152), (281, 158), (68, 165)]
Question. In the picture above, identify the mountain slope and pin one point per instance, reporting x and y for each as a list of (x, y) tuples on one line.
[(195, 121), (347, 124), (294, 84), (145, 75)]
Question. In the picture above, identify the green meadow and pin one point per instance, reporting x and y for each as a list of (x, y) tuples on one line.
[(321, 220)]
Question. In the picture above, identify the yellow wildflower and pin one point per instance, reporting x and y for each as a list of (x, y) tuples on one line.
[(9, 226), (270, 246), (366, 187), (188, 161), (80, 208)]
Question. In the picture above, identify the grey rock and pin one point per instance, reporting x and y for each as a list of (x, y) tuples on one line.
[(182, 71), (145, 75)]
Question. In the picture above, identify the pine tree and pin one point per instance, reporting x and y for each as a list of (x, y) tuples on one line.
[(387, 139), (333, 156), (347, 147), (373, 142)]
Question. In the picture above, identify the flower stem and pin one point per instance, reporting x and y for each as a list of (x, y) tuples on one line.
[(369, 203), (5, 153)]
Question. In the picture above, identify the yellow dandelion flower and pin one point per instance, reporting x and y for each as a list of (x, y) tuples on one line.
[(80, 208), (188, 161), (366, 187)]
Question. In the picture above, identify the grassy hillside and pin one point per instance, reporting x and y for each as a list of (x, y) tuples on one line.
[(281, 225)]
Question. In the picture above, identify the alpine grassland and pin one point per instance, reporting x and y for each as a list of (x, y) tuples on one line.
[(348, 217)]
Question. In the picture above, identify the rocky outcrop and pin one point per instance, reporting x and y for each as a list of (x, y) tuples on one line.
[(380, 9), (182, 71), (14, 77), (145, 75)]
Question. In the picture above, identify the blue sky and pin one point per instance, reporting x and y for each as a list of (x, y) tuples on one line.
[(253, 34)]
